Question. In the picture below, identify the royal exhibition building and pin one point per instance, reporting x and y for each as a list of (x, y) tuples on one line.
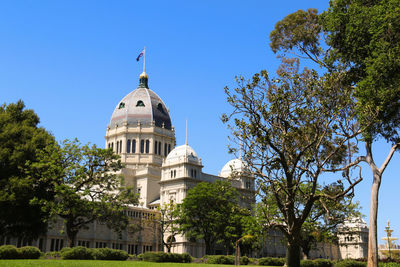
[(141, 132)]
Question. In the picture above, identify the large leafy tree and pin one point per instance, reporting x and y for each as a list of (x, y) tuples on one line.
[(362, 40), (292, 132), (21, 140), (167, 220), (208, 213), (87, 187)]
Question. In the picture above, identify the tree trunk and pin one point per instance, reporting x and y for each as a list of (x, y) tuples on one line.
[(372, 235), (71, 234), (293, 255)]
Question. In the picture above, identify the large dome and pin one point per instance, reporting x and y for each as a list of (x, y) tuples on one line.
[(182, 152), (141, 105), (233, 166)]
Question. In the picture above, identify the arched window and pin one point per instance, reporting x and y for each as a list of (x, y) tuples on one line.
[(159, 148), (155, 147), (191, 173), (112, 146), (174, 173), (169, 148), (109, 145), (134, 146), (147, 146), (120, 146), (141, 146), (128, 146), (195, 173), (165, 149), (140, 103), (160, 108), (117, 147), (121, 105)]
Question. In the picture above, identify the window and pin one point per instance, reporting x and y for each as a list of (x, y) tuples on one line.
[(165, 149), (160, 108), (117, 147), (159, 148), (171, 239), (174, 173), (128, 146), (112, 146), (109, 145), (195, 173), (169, 148), (155, 147), (147, 146), (121, 105), (84, 243), (140, 103), (101, 244), (141, 146), (191, 173), (56, 244), (120, 146), (134, 146)]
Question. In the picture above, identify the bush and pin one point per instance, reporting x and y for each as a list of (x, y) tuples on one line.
[(244, 260), (78, 253), (110, 254), (165, 257), (350, 263), (389, 264), (268, 261), (220, 259), (29, 252), (139, 257), (316, 263), (9, 252)]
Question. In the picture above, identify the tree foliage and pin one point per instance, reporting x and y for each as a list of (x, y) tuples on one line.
[(21, 140), (292, 130), (210, 212), (362, 39), (87, 187), (167, 220)]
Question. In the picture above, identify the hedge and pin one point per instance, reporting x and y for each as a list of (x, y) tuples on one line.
[(165, 257), (78, 253), (269, 261), (350, 263), (110, 254)]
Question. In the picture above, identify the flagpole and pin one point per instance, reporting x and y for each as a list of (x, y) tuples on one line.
[(144, 59)]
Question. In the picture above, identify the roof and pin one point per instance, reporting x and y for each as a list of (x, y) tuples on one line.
[(233, 166), (183, 152), (141, 105)]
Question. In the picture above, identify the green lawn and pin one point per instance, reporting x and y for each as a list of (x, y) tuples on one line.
[(93, 263)]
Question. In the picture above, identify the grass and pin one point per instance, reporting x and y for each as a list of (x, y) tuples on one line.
[(94, 263)]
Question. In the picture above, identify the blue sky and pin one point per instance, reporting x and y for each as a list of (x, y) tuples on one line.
[(72, 61)]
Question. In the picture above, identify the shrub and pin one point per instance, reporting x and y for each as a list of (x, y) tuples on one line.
[(166, 257), (350, 263), (78, 253), (389, 264), (268, 261), (29, 252), (110, 254), (220, 259), (9, 252), (139, 257), (244, 260)]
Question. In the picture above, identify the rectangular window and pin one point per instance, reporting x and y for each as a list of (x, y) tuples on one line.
[(128, 146), (159, 148), (169, 148), (41, 244), (134, 146), (155, 147), (147, 146), (165, 149), (120, 146), (141, 146), (52, 245), (117, 146)]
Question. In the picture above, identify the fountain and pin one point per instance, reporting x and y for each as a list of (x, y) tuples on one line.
[(390, 249)]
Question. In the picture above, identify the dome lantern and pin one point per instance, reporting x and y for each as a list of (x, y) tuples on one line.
[(144, 80)]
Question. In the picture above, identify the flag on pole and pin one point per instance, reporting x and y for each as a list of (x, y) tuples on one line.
[(140, 55)]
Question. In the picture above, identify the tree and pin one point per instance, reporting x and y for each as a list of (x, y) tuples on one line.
[(167, 219), (20, 142), (87, 187), (363, 42), (206, 211), (292, 132)]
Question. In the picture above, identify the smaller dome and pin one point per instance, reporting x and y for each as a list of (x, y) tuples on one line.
[(143, 75), (182, 152), (234, 165)]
